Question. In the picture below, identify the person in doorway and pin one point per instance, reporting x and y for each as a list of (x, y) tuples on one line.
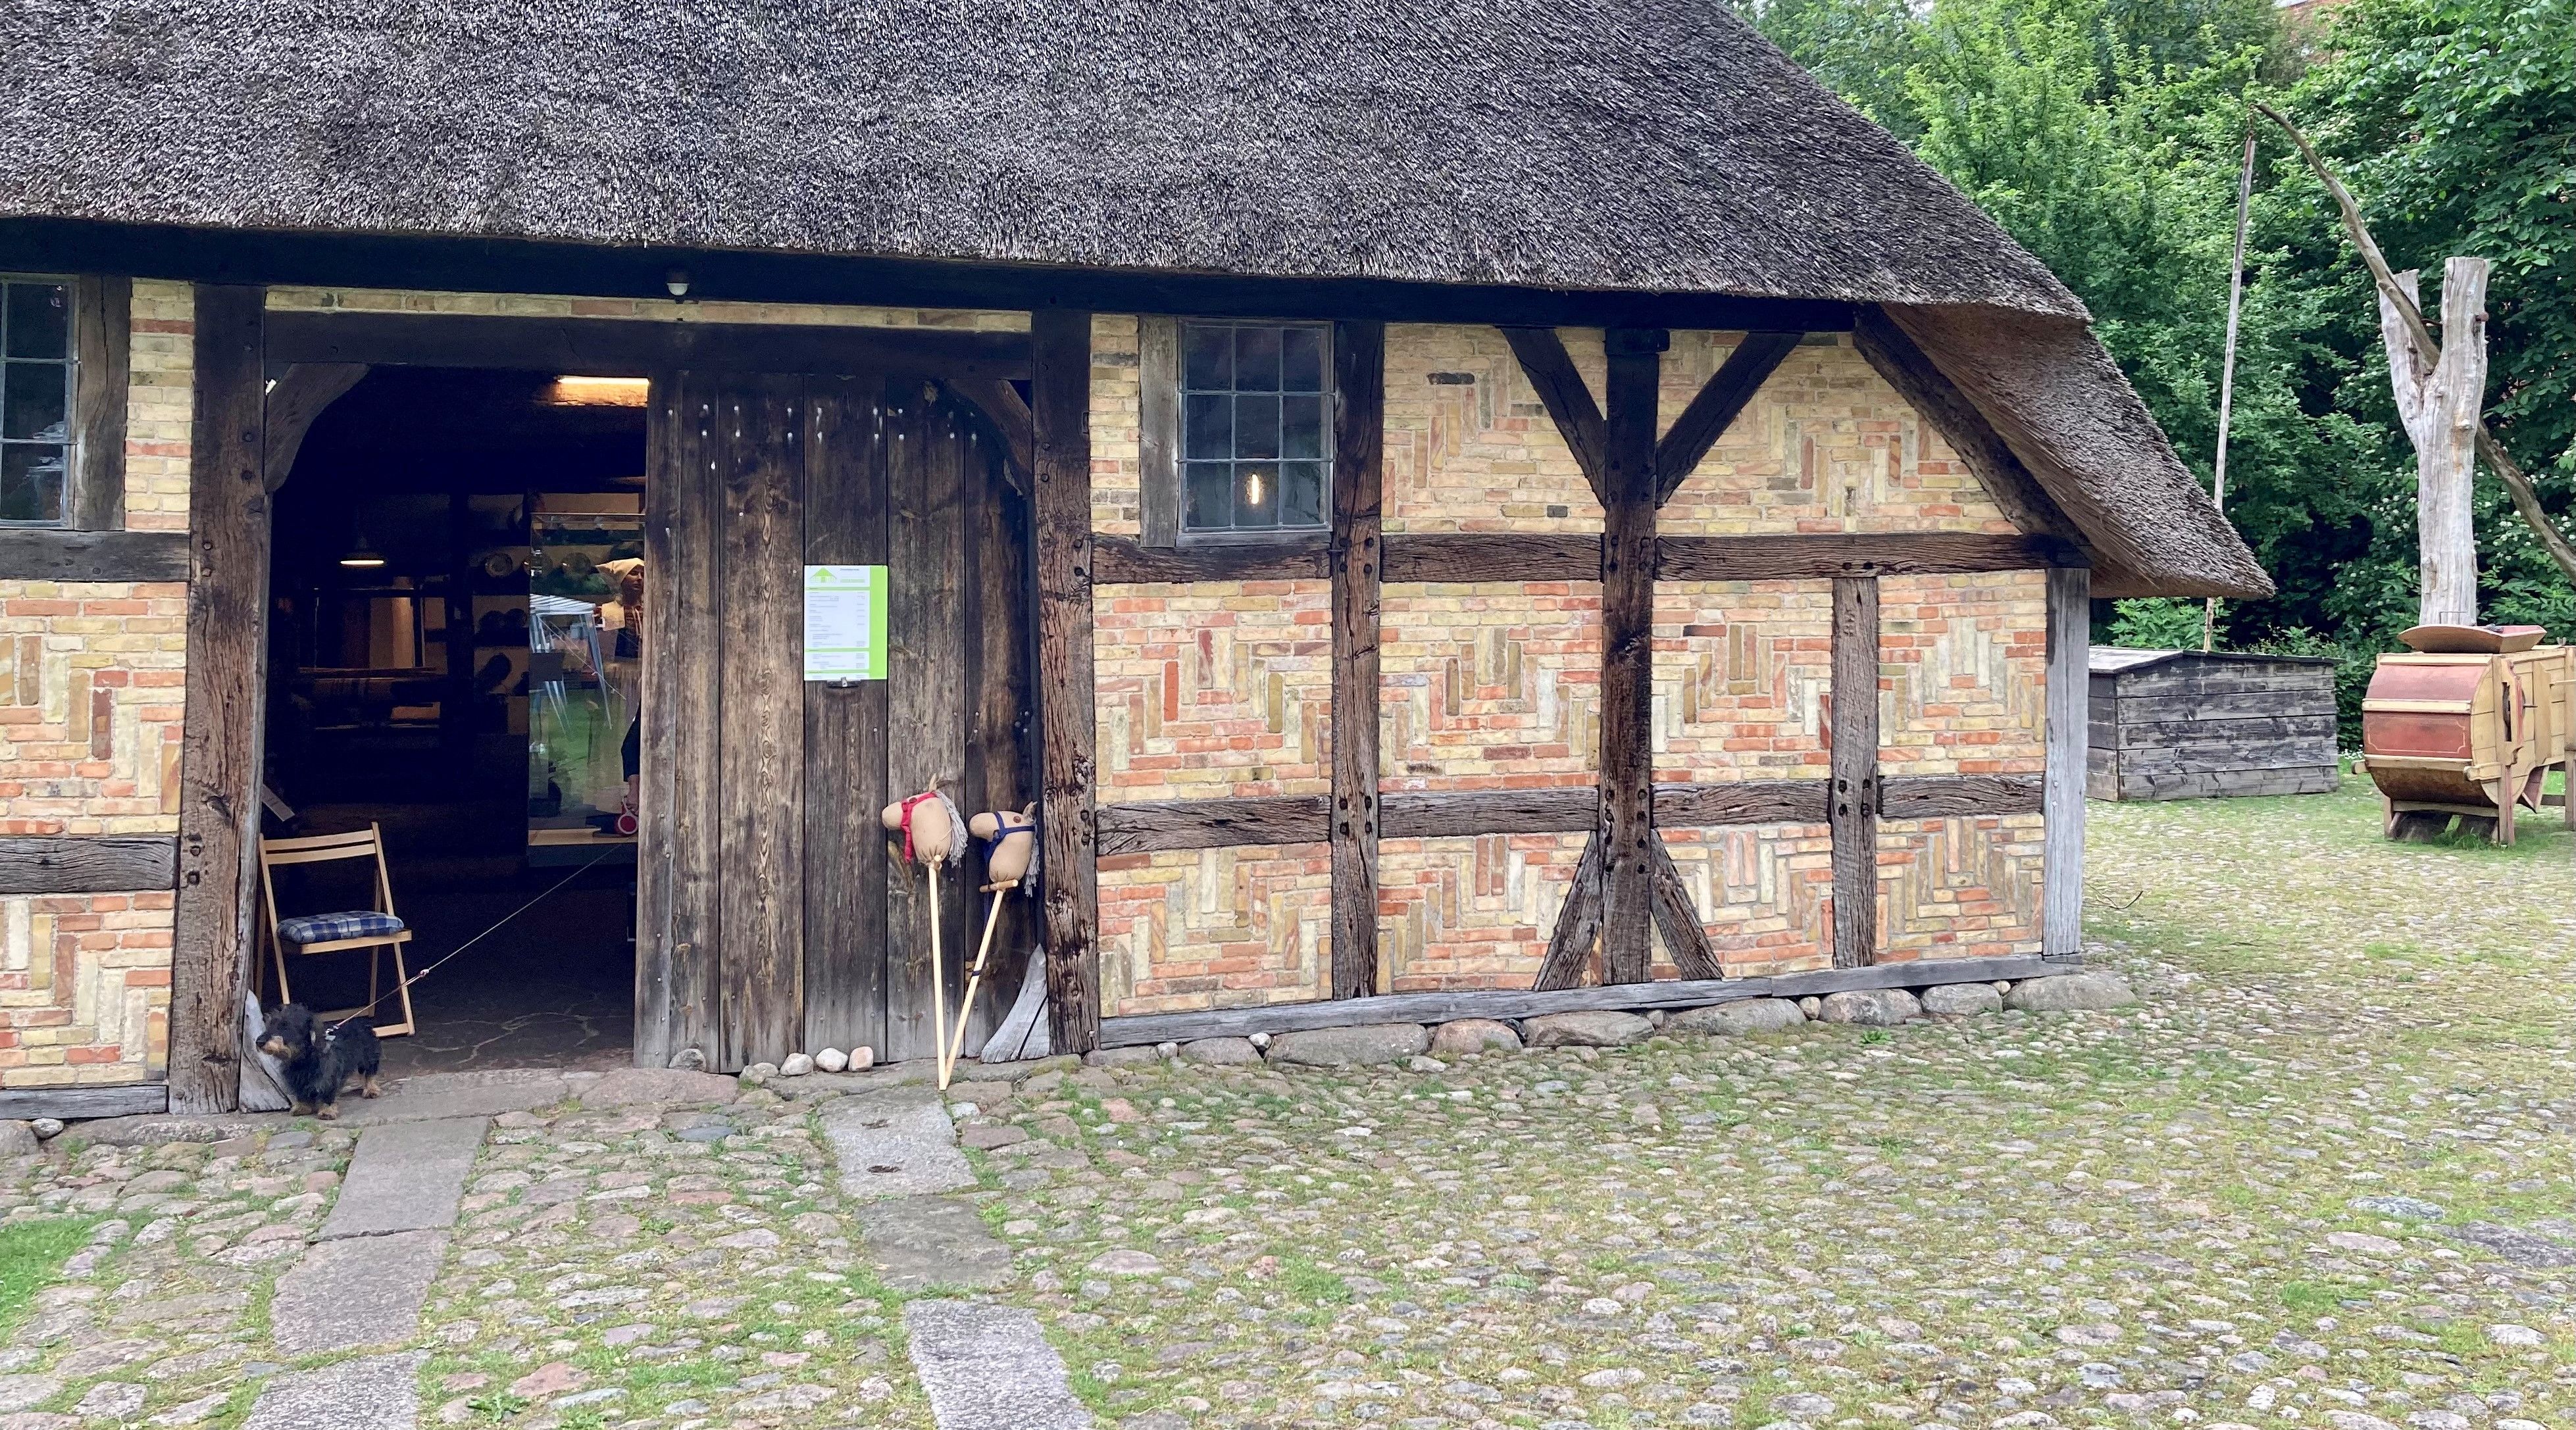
[(622, 619)]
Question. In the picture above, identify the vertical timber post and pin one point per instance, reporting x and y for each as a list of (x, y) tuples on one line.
[(1627, 828), (1854, 755), (228, 542), (1060, 492), (2070, 638), (1359, 442)]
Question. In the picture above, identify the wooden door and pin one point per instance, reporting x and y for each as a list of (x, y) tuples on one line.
[(774, 914)]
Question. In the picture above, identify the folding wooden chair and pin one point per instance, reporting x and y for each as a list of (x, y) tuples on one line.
[(373, 929)]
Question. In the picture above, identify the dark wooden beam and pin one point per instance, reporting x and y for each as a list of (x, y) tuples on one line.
[(1147, 1029), (1568, 401), (80, 1103), (1854, 757), (1226, 822), (298, 397), (1060, 423), (102, 352), (2069, 698), (1823, 556), (43, 553), (1677, 919), (1359, 450), (636, 347), (227, 629), (95, 864), (1728, 391), (1492, 556), (1122, 560), (510, 265), (1628, 655), (1679, 806), (1003, 406), (1948, 796), (1577, 934), (1938, 401)]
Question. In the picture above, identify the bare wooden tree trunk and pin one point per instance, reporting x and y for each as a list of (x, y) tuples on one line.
[(2439, 403)]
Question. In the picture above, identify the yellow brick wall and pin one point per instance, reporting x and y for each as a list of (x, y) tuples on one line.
[(1494, 685), (92, 684)]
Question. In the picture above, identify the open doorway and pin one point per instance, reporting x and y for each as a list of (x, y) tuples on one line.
[(456, 625)]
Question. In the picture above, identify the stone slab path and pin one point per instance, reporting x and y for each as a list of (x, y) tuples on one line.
[(369, 1393), (989, 1367), (898, 1142), (916, 1243), (406, 1177), (356, 1291)]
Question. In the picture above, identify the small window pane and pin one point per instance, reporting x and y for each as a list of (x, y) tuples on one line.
[(40, 320), (33, 401), (1301, 494), (31, 482), (1256, 496), (1207, 496), (1256, 359), (1208, 427), (1207, 358), (1301, 427), (1301, 360), (1256, 426)]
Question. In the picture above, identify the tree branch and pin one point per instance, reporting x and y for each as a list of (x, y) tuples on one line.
[(2525, 499)]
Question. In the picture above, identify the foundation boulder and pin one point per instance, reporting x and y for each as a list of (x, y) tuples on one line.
[(652, 1087), (1221, 1052), (1585, 1030), (2071, 993), (1464, 1036), (1959, 999), (1349, 1047), (1752, 1015), (1871, 1007)]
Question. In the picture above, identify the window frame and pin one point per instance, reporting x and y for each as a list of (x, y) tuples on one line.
[(100, 362), (1158, 361)]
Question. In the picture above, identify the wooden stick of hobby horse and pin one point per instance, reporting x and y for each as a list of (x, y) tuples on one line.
[(974, 976), (938, 981)]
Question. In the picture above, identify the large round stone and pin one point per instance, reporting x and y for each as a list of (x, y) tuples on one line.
[(1585, 1030), (1960, 999), (1750, 1015), (1220, 1052), (1871, 1007), (1463, 1036), (2071, 993), (644, 1087), (1347, 1047)]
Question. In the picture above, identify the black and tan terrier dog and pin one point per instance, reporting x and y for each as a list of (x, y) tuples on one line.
[(320, 1061)]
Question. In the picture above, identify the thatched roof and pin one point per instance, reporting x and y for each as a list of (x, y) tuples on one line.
[(1653, 146)]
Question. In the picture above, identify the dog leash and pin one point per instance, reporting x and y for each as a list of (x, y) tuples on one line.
[(415, 980)]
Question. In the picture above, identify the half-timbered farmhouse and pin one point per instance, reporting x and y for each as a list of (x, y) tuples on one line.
[(1478, 507)]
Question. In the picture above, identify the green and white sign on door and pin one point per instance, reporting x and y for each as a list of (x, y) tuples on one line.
[(845, 623)]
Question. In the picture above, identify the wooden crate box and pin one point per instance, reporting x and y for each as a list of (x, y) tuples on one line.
[(2172, 724)]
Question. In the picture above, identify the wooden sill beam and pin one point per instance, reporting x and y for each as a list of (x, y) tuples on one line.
[(44, 553), (1229, 822), (1147, 1029), (102, 864), (1466, 557)]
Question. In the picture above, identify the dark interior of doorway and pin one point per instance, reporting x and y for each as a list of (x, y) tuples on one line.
[(452, 657)]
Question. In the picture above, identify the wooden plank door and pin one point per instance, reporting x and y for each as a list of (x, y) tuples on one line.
[(775, 915)]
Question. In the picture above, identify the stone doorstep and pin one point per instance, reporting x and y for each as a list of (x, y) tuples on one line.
[(429, 1097)]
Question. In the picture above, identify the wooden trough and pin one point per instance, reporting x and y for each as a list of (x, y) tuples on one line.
[(2466, 725), (2181, 724)]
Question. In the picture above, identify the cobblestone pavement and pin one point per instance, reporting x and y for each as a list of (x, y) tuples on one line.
[(2321, 1175)]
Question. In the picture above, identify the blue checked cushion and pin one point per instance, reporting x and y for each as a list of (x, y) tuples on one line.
[(323, 928)]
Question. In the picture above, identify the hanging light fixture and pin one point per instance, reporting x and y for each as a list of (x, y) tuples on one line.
[(362, 557)]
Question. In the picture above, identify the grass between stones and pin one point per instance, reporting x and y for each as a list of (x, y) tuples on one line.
[(32, 1254)]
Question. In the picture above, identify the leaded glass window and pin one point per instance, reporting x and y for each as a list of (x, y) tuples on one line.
[(35, 399), (1256, 428)]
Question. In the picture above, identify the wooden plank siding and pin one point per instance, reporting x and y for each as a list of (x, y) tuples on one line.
[(2186, 726), (926, 720)]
